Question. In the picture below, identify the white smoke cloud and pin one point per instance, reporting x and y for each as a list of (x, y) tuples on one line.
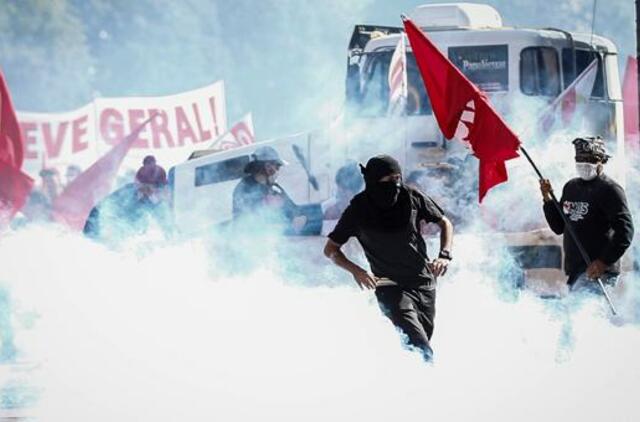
[(152, 333)]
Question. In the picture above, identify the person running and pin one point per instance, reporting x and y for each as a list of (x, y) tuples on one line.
[(385, 219)]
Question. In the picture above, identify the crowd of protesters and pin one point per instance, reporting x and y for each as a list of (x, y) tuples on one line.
[(136, 195)]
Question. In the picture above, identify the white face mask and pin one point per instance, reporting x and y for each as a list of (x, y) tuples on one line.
[(587, 171)]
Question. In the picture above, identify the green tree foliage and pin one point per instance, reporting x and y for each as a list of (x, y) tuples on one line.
[(44, 55), (151, 47), (285, 60)]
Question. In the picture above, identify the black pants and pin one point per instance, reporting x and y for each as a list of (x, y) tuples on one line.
[(413, 311)]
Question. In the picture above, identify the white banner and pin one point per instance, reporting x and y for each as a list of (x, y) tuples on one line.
[(81, 136)]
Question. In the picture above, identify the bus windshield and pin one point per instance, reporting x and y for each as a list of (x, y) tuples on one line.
[(374, 98)]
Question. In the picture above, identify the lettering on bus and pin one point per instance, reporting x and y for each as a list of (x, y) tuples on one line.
[(487, 66)]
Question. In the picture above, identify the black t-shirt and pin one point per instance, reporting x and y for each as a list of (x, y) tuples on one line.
[(599, 214), (398, 254)]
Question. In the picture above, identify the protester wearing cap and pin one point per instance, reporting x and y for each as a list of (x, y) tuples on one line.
[(259, 198), (151, 173), (151, 180), (596, 207), (133, 208), (385, 218)]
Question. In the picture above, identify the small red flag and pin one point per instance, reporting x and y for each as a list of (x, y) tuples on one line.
[(397, 79), (461, 109), (73, 205), (14, 184), (11, 151)]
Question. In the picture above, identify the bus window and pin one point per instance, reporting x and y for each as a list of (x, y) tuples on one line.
[(613, 78), (417, 99), (539, 71), (375, 90), (583, 59), (221, 171), (487, 66)]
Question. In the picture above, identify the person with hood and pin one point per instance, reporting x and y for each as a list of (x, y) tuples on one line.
[(596, 207), (259, 199), (386, 219), (132, 208)]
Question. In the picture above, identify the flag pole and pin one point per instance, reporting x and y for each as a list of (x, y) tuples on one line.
[(572, 232)]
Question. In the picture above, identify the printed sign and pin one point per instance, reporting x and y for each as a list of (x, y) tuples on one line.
[(487, 66)]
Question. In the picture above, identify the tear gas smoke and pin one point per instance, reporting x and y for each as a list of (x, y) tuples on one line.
[(153, 333), (189, 332)]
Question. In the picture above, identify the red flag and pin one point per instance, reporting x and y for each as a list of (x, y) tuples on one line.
[(15, 187), (73, 205), (461, 109), (10, 135), (630, 104), (14, 184)]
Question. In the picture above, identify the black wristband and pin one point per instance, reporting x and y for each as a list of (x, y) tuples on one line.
[(445, 254)]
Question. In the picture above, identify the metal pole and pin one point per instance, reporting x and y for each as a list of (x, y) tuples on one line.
[(571, 231)]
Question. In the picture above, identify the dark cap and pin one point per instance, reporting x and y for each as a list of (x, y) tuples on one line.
[(149, 159), (379, 167), (590, 148), (151, 173), (263, 154)]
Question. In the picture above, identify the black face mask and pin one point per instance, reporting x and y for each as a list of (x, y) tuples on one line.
[(384, 194)]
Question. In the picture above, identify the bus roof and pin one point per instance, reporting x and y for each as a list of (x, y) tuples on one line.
[(525, 36)]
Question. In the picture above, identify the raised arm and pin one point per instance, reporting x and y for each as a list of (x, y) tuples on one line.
[(554, 219)]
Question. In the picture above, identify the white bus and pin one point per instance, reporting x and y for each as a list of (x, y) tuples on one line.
[(509, 64)]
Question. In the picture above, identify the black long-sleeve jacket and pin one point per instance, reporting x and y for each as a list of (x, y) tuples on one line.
[(597, 210)]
